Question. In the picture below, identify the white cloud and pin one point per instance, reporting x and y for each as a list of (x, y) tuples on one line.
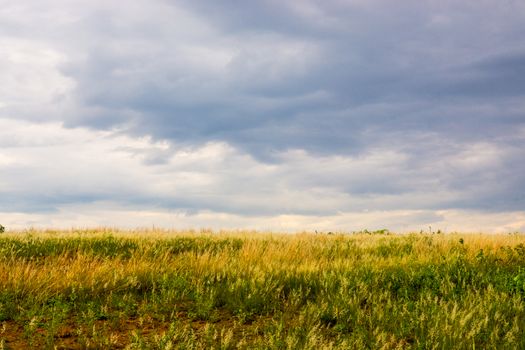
[(106, 214), (32, 85), (81, 177)]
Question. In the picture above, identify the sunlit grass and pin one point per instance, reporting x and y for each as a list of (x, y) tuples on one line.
[(161, 289)]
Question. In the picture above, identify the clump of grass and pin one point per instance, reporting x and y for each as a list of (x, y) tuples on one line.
[(158, 289)]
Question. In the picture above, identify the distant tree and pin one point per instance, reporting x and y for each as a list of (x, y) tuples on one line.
[(2, 229)]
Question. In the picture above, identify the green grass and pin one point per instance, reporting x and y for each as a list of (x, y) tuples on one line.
[(186, 290)]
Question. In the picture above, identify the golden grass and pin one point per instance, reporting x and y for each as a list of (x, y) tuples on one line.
[(248, 289)]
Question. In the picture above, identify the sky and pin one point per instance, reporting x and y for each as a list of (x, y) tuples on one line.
[(333, 115)]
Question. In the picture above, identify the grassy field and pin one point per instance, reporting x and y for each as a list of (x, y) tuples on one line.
[(184, 290)]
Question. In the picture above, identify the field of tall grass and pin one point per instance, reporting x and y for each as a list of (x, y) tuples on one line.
[(107, 289)]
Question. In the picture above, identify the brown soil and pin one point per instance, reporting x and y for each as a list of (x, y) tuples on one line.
[(112, 334)]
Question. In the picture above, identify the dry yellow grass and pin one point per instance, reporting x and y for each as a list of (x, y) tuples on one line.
[(261, 290)]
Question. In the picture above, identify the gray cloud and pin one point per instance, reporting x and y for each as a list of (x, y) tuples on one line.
[(319, 90), (286, 75)]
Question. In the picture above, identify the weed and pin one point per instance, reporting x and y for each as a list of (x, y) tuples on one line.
[(110, 289)]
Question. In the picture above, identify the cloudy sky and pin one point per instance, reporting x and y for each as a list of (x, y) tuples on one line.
[(270, 115)]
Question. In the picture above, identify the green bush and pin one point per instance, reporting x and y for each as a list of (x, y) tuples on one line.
[(2, 229)]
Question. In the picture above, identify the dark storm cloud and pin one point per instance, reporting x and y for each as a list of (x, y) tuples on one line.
[(326, 77), (440, 84), (489, 78), (354, 55)]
